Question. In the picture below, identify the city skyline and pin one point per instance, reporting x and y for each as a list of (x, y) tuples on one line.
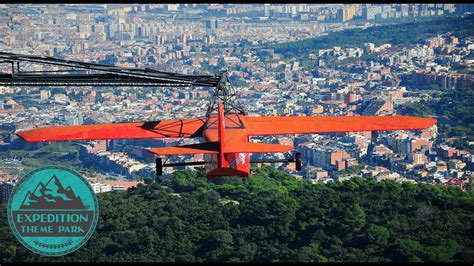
[(204, 39)]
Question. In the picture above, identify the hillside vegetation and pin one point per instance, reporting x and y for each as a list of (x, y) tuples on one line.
[(455, 113), (397, 35), (271, 216)]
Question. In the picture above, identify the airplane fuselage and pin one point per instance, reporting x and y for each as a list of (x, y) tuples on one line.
[(226, 130)]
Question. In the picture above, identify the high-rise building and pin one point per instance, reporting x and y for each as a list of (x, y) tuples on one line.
[(172, 7), (462, 8), (326, 158), (370, 11), (45, 94), (418, 158), (346, 13), (369, 47), (74, 120), (349, 13), (5, 191), (211, 26), (266, 10)]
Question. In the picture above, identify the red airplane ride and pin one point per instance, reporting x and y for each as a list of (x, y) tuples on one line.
[(226, 130)]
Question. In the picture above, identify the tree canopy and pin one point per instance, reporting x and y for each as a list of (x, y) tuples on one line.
[(272, 216), (454, 111), (396, 34)]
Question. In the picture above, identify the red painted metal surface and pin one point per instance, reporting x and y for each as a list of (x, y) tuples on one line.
[(227, 171), (138, 130), (326, 124), (221, 162)]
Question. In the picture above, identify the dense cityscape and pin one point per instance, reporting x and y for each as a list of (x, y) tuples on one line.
[(370, 79)]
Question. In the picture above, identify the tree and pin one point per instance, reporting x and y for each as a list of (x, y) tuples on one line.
[(271, 216)]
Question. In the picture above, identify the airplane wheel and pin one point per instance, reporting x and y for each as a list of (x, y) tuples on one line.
[(298, 161), (159, 167)]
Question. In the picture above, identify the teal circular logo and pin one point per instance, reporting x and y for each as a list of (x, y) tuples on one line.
[(53, 211)]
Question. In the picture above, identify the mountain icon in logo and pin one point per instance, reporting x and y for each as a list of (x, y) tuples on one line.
[(52, 195)]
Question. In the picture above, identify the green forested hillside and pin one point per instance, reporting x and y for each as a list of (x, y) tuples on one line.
[(397, 35), (454, 111), (271, 216)]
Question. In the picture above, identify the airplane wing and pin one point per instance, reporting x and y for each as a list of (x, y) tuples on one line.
[(277, 125), (179, 128)]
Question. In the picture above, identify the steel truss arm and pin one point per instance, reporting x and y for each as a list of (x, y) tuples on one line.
[(92, 74)]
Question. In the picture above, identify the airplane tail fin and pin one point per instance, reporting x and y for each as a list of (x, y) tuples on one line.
[(221, 133)]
